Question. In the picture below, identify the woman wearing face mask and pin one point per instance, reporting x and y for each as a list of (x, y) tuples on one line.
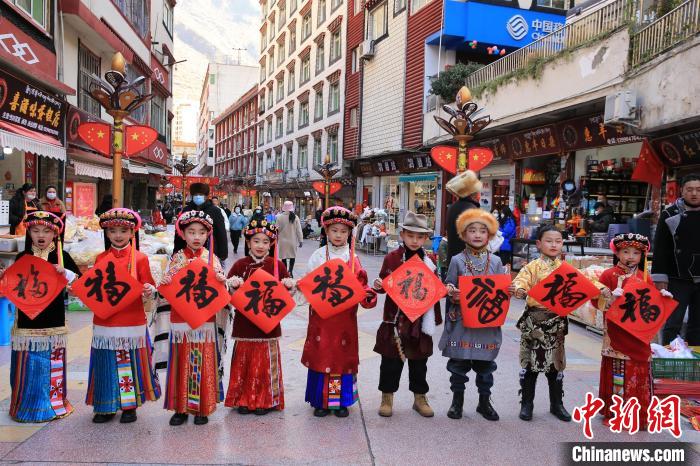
[(22, 203), (238, 222), (51, 202)]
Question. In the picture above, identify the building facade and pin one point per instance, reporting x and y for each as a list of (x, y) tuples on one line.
[(223, 85), (185, 122)]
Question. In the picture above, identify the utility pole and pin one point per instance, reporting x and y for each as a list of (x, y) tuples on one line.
[(239, 50)]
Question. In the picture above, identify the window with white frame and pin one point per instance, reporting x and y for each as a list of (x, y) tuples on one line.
[(270, 99), (272, 61), (261, 105), (263, 40), (418, 4), (290, 120), (283, 17), (305, 70), (333, 147), (272, 29), (318, 105), (377, 22), (269, 130), (321, 13), (280, 89), (336, 46), (317, 151), (279, 131), (263, 71), (334, 98), (168, 17), (260, 165), (39, 10), (292, 39), (303, 156), (261, 134), (291, 84), (355, 62), (280, 54), (136, 13), (158, 114), (353, 117), (88, 66), (264, 9), (306, 27), (303, 114), (399, 6), (292, 7), (289, 165), (320, 57), (335, 4)]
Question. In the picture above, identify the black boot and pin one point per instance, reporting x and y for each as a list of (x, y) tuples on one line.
[(455, 411), (128, 416), (243, 410), (102, 418), (556, 394), (200, 420), (320, 412), (341, 412), (527, 391), (178, 419), (485, 408)]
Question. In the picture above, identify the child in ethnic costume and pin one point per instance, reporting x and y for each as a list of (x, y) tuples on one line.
[(543, 331), (194, 380), (38, 365), (255, 383), (626, 374), (471, 348), (397, 337), (121, 372), (331, 349)]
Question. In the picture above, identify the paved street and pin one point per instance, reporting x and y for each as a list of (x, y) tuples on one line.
[(295, 436)]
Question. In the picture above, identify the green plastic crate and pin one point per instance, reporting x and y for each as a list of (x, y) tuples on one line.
[(676, 369)]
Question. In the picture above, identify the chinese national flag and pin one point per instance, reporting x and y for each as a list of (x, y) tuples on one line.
[(445, 157), (564, 290), (320, 186), (98, 136), (649, 168), (138, 138), (32, 284), (195, 294), (414, 288), (484, 300), (479, 158), (263, 300), (331, 288), (641, 311), (107, 288)]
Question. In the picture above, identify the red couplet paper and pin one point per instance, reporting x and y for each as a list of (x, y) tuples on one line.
[(331, 288), (484, 300), (564, 290), (107, 288), (641, 310), (195, 294), (414, 288), (32, 284), (263, 300)]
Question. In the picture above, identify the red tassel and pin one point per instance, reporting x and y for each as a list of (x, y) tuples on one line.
[(211, 247), (275, 257), (352, 251)]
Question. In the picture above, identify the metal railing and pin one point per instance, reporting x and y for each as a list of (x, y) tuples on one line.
[(607, 19), (674, 27)]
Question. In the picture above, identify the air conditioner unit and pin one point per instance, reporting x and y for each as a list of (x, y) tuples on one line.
[(621, 107), (367, 49)]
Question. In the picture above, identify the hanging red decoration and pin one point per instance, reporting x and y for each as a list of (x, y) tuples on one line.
[(98, 136), (445, 157), (138, 138)]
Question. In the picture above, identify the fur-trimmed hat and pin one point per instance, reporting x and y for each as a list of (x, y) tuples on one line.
[(260, 226), (120, 217), (464, 184), (470, 216), (337, 214), (199, 188), (193, 216), (47, 219), (629, 240)]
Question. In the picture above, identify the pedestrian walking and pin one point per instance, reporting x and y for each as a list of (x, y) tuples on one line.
[(237, 222), (508, 228), (290, 234)]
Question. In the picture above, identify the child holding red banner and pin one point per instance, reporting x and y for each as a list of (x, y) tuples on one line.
[(543, 331), (255, 383), (193, 384), (38, 362), (471, 348), (397, 337), (121, 373), (331, 349), (625, 369)]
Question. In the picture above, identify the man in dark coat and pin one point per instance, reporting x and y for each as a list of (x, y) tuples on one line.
[(200, 201), (465, 186), (676, 264), (602, 219)]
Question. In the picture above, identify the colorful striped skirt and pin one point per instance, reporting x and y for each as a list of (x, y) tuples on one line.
[(38, 381), (256, 375), (626, 379), (193, 383), (121, 379), (331, 391)]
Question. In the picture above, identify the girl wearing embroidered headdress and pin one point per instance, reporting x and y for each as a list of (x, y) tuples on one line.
[(121, 373), (38, 361), (331, 349)]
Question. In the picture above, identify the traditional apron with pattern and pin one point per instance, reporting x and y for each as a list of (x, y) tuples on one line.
[(58, 392), (127, 393)]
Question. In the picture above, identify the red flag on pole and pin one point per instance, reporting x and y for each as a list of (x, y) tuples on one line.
[(649, 168), (98, 136), (138, 138)]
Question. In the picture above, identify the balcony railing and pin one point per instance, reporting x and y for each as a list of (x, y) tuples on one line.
[(674, 27), (575, 34)]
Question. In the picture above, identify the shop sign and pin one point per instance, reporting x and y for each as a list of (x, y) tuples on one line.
[(156, 153), (176, 180), (590, 132), (20, 47), (29, 107), (418, 162), (534, 142), (498, 146), (679, 149), (385, 167), (85, 195), (160, 74)]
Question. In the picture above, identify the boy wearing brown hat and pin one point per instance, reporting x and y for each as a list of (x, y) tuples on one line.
[(398, 338), (200, 201)]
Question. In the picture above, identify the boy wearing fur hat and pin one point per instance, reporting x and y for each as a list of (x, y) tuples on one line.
[(466, 187), (201, 202), (121, 345), (397, 337), (471, 348)]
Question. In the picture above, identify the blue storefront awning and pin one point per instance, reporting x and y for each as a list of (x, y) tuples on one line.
[(413, 178)]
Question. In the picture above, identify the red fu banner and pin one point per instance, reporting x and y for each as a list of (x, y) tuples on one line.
[(195, 294), (641, 310), (263, 300), (107, 288), (32, 284), (564, 290), (484, 300), (331, 288), (414, 288)]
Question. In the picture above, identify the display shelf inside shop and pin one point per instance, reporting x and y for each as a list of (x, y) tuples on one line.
[(625, 196)]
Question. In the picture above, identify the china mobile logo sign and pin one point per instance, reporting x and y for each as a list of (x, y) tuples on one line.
[(517, 27)]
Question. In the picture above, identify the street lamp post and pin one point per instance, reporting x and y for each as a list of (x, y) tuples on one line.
[(119, 98), (184, 166), (327, 170)]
